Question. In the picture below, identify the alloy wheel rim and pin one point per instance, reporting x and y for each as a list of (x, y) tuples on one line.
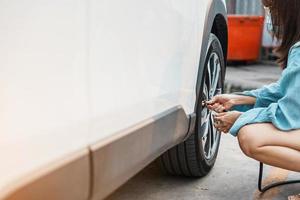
[(210, 135)]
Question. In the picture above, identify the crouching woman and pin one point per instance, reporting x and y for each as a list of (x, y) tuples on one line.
[(267, 120)]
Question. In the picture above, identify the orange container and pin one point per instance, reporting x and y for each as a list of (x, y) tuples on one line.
[(245, 36)]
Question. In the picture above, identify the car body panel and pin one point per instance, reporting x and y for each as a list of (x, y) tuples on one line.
[(43, 88), (76, 75), (160, 42), (117, 160), (69, 178)]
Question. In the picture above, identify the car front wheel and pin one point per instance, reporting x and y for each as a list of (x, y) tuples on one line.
[(197, 155)]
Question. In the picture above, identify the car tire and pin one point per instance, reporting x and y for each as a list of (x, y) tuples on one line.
[(196, 156)]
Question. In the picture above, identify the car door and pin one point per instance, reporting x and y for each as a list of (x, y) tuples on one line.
[(143, 64)]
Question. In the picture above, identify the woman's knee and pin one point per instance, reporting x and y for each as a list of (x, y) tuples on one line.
[(249, 141)]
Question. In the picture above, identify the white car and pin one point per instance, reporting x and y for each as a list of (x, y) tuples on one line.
[(91, 91)]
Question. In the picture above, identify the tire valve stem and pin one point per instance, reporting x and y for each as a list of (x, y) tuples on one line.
[(204, 103)]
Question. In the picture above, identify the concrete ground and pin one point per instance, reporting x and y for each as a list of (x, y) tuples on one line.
[(242, 77), (234, 176)]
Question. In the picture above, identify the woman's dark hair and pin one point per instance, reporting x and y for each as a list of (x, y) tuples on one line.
[(285, 16)]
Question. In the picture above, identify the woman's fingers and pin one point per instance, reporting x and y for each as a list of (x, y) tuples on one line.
[(217, 103), (215, 106), (220, 114), (221, 128), (211, 107), (220, 125), (220, 118), (217, 126), (219, 109), (212, 101), (225, 120), (228, 105)]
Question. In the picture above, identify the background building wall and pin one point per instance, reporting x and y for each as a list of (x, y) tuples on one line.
[(244, 7)]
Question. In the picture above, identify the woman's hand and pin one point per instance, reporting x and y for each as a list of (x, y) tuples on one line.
[(221, 103), (224, 102), (225, 120)]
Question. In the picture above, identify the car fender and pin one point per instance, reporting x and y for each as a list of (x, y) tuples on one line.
[(215, 8)]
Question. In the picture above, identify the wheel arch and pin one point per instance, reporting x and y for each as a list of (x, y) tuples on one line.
[(216, 23), (220, 29)]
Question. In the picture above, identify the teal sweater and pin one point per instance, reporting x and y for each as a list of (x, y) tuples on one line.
[(277, 103)]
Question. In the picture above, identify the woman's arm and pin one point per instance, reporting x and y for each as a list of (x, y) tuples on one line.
[(223, 102), (285, 113), (244, 100), (266, 95)]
